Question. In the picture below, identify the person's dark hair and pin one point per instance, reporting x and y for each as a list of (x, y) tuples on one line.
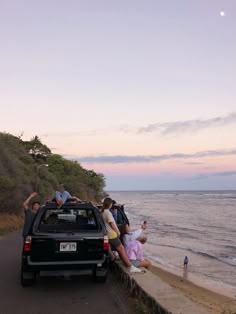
[(36, 202), (106, 203), (113, 202), (52, 219)]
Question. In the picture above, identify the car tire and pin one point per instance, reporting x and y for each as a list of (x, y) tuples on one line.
[(100, 278), (27, 278)]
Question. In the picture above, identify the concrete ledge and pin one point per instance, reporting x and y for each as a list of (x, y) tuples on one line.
[(160, 297)]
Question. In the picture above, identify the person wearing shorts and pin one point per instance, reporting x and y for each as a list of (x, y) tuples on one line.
[(114, 243), (135, 262), (62, 197), (114, 233), (134, 252)]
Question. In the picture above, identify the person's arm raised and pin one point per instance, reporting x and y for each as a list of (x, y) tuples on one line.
[(137, 233), (26, 202)]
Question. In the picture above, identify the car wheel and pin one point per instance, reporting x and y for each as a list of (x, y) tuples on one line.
[(27, 278), (100, 277)]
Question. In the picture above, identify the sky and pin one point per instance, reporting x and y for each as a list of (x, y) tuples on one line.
[(141, 91)]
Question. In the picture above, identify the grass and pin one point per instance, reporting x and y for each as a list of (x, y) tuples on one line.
[(141, 307), (9, 223)]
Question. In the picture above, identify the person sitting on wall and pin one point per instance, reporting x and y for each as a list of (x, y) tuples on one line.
[(129, 235), (134, 252), (113, 234)]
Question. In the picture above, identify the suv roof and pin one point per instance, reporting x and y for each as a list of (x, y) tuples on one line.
[(70, 205)]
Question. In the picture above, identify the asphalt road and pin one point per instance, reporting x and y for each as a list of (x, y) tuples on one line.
[(55, 295)]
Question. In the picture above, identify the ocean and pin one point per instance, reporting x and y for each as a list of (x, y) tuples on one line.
[(199, 224)]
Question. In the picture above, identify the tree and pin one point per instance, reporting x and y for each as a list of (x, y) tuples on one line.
[(37, 149)]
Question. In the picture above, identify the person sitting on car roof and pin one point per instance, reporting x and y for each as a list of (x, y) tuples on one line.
[(113, 234), (62, 197), (29, 213)]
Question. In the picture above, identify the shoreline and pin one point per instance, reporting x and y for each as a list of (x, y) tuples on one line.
[(204, 279), (215, 302)]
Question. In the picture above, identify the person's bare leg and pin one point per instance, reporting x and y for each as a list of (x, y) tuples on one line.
[(123, 255), (145, 263), (59, 203), (112, 256)]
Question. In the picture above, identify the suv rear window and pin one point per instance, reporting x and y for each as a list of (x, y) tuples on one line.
[(60, 220)]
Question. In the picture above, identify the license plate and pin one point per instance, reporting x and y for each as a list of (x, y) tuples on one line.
[(68, 246)]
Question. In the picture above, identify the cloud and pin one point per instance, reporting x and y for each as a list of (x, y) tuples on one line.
[(121, 159), (72, 133), (193, 163), (187, 125), (216, 174), (225, 173), (167, 128)]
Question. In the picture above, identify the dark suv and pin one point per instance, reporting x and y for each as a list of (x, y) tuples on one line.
[(70, 240)]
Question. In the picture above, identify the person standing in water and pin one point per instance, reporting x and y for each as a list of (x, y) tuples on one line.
[(186, 261)]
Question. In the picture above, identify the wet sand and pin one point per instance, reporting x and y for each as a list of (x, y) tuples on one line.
[(214, 302)]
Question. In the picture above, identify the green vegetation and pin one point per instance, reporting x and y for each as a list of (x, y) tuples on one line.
[(22, 170), (9, 222)]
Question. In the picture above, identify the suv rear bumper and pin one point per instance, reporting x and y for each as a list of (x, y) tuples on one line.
[(80, 266), (65, 263), (72, 272)]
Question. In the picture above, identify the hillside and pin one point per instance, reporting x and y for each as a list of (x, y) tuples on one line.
[(23, 169)]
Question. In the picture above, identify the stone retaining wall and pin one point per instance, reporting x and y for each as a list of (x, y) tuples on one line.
[(136, 290)]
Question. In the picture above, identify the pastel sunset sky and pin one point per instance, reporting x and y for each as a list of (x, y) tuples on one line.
[(141, 91)]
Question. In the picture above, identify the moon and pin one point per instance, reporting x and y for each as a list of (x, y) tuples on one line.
[(222, 13)]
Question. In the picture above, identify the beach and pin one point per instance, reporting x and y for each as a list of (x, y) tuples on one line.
[(212, 301)]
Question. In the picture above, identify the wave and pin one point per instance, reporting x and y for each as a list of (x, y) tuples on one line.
[(179, 228), (230, 247), (226, 259), (213, 226), (230, 260)]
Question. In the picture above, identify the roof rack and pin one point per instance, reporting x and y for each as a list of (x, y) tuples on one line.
[(71, 205)]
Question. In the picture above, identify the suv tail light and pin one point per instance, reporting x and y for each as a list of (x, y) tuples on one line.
[(27, 243), (105, 243)]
